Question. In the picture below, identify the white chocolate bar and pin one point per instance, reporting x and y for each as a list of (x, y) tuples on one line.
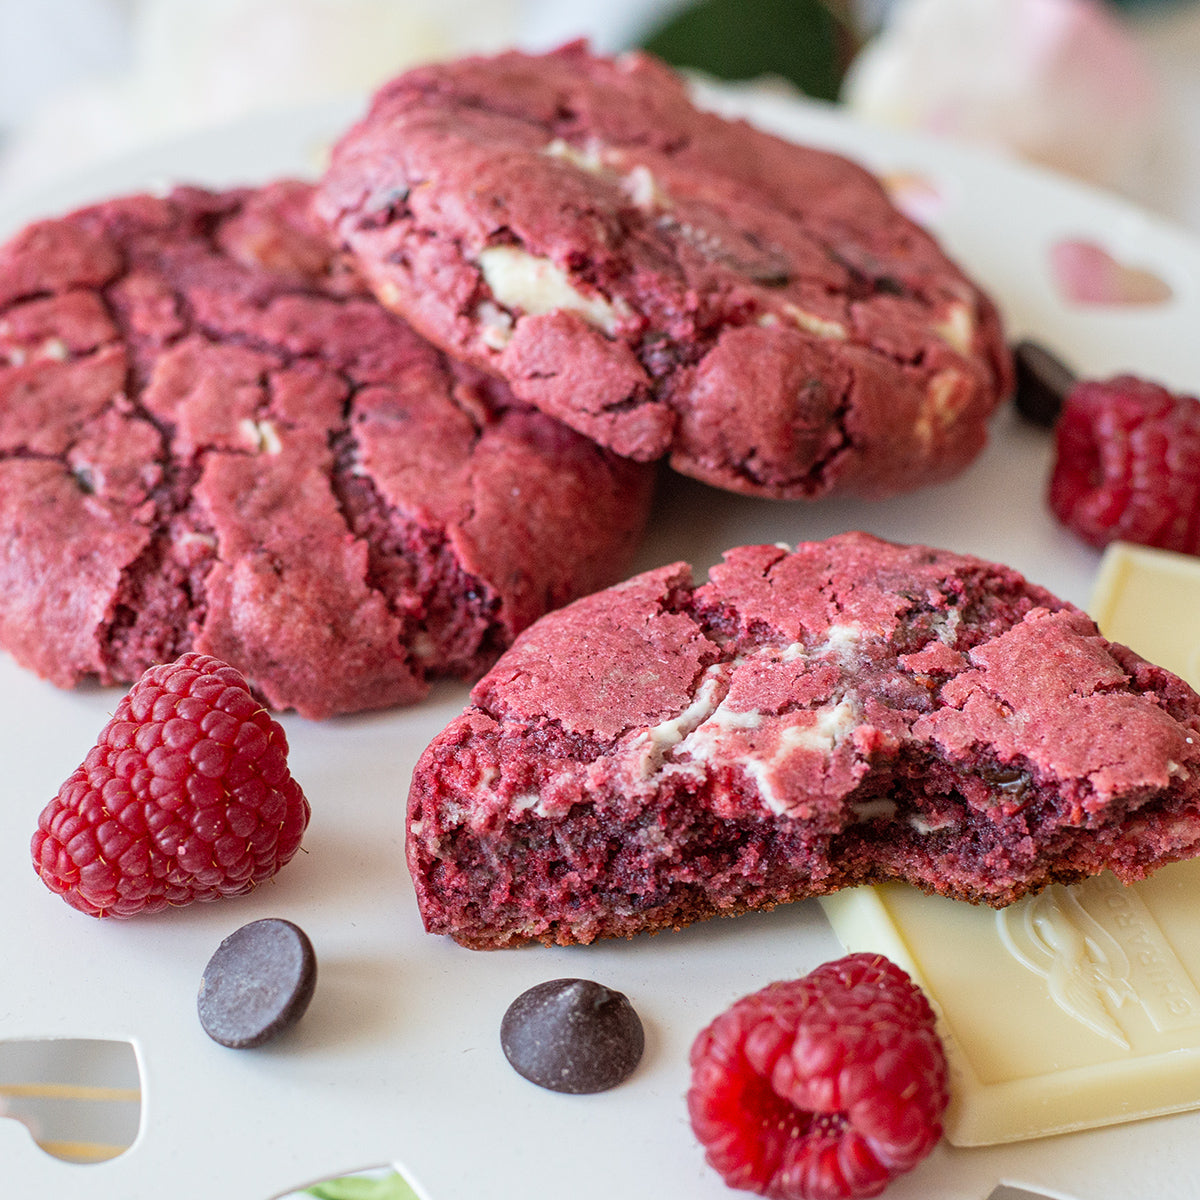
[(1074, 1008), (1150, 601)]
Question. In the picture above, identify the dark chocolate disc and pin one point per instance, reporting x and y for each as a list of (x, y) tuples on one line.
[(257, 984), (1043, 381), (572, 1035)]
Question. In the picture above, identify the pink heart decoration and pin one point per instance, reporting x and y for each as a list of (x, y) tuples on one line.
[(1085, 273)]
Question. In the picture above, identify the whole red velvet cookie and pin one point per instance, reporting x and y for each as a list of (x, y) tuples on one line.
[(214, 438), (666, 281), (849, 712)]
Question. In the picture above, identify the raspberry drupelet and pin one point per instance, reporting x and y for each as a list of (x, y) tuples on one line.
[(821, 1088), (186, 796)]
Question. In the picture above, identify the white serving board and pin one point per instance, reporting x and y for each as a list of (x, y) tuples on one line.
[(398, 1060)]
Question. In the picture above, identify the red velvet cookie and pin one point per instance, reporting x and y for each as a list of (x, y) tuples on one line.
[(213, 438), (666, 281), (850, 712)]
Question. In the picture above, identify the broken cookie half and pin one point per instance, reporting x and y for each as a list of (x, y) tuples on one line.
[(848, 712)]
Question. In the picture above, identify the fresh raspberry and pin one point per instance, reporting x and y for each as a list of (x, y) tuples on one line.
[(185, 796), (821, 1088), (1128, 464)]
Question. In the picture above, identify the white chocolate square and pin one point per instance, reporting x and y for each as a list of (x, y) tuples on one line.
[(1149, 600), (1075, 1008)]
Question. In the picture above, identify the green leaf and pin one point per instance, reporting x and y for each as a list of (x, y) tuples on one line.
[(799, 40), (392, 1186)]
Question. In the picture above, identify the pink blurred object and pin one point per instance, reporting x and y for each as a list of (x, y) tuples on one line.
[(1058, 82), (1086, 273), (917, 196)]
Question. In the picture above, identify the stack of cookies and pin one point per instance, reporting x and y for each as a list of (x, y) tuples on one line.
[(354, 437)]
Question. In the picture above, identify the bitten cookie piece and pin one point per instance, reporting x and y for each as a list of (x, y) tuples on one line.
[(849, 712), (213, 438), (666, 281)]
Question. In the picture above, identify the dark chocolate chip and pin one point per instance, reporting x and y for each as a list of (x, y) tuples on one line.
[(1012, 783), (1043, 381), (572, 1035), (1007, 779), (257, 984)]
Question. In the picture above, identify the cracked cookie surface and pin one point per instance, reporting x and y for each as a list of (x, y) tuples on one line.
[(666, 281), (213, 438), (848, 712)]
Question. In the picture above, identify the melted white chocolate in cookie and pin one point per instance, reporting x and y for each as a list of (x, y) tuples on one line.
[(523, 281)]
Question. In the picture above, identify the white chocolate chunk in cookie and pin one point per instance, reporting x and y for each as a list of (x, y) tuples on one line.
[(533, 285), (589, 157), (829, 725), (813, 323), (262, 436), (638, 182), (495, 325), (644, 190), (957, 327), (945, 396)]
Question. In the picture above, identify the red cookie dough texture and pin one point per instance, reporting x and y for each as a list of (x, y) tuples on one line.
[(849, 712), (666, 281), (213, 438)]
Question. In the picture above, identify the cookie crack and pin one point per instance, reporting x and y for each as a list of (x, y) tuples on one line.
[(173, 525), (414, 569)]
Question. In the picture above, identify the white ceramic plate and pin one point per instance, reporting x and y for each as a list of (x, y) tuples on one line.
[(398, 1059)]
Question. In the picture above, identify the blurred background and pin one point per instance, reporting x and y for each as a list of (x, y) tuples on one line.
[(1108, 92)]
